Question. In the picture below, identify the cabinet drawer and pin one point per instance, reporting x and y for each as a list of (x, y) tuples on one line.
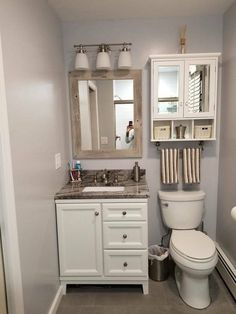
[(124, 211), (125, 235), (125, 263)]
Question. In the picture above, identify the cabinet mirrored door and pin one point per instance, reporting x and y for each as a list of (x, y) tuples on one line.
[(167, 89), (199, 88)]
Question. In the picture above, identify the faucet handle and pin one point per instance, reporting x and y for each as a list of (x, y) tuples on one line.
[(95, 178), (104, 173), (116, 178)]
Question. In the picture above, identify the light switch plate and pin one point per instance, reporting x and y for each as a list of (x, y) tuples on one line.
[(104, 140), (58, 160)]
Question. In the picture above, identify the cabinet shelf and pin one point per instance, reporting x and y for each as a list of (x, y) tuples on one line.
[(195, 130), (184, 140)]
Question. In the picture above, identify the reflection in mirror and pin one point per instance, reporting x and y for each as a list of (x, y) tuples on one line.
[(199, 87), (106, 114), (168, 89)]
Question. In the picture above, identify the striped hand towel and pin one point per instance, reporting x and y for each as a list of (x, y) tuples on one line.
[(191, 165), (169, 165)]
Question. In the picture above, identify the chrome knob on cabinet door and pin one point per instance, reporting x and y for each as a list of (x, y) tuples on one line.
[(125, 236), (96, 213), (124, 213), (125, 264), (165, 204)]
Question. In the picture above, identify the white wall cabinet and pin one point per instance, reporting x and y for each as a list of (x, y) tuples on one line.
[(103, 241), (183, 92)]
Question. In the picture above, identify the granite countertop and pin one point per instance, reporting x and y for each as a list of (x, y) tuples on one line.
[(132, 189)]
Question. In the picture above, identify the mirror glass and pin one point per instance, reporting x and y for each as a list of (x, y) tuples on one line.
[(199, 87), (168, 89), (106, 114)]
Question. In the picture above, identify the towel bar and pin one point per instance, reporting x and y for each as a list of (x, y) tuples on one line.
[(200, 143)]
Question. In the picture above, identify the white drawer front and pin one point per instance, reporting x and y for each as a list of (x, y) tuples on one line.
[(125, 263), (124, 211), (125, 235)]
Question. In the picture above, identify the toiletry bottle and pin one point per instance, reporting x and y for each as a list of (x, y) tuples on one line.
[(136, 172), (77, 165)]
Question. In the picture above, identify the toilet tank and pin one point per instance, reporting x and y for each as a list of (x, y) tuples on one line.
[(182, 209)]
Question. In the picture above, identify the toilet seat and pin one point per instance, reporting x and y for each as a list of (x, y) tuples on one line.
[(193, 245)]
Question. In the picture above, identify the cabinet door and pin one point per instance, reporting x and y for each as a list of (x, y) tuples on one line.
[(167, 89), (79, 239), (200, 88)]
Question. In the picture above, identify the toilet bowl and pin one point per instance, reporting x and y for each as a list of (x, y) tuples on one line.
[(193, 252), (195, 256)]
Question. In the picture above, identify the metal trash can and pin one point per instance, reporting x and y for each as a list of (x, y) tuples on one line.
[(158, 262)]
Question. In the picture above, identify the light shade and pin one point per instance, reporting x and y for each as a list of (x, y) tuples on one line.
[(81, 60), (103, 59), (125, 61)]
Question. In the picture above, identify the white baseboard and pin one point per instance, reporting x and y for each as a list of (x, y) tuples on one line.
[(226, 270), (56, 301)]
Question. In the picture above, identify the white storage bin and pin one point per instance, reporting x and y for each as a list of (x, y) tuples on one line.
[(162, 132), (202, 131)]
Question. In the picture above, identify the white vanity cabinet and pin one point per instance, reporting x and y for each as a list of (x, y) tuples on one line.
[(103, 241), (183, 92)]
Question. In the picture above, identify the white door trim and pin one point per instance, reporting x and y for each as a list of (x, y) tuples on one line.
[(8, 220)]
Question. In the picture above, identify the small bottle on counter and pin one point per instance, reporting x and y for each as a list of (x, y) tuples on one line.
[(136, 172), (77, 164)]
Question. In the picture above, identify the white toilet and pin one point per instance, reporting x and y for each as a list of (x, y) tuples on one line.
[(193, 252)]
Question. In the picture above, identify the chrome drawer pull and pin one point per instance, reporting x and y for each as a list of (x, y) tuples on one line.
[(96, 213), (124, 213), (125, 264), (124, 236)]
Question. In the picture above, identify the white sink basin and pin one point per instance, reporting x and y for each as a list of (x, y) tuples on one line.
[(103, 189)]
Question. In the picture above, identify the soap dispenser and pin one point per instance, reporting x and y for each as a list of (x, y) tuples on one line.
[(136, 172)]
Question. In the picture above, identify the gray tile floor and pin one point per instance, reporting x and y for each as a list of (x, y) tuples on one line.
[(163, 299)]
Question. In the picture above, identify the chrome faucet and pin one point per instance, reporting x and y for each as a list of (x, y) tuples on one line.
[(105, 177), (116, 179)]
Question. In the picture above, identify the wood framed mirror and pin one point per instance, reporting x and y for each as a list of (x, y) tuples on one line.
[(106, 113)]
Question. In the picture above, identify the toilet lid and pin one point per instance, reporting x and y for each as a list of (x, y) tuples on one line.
[(193, 244)]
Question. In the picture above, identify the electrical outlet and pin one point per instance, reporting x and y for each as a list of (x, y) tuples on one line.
[(58, 160)]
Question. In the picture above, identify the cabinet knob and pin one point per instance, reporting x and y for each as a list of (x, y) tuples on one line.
[(124, 213), (165, 204), (124, 236), (125, 264), (96, 213)]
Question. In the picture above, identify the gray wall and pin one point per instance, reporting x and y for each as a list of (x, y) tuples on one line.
[(226, 227), (35, 86), (153, 36)]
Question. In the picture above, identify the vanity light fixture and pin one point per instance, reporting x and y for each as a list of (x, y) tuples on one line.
[(103, 61), (103, 58), (81, 60), (125, 61)]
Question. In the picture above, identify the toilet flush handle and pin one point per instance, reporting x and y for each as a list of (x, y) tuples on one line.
[(165, 204)]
